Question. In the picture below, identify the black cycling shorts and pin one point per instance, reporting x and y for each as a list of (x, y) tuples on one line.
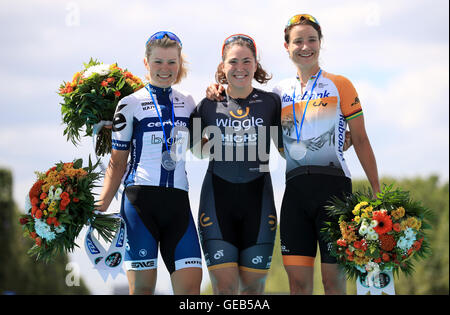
[(159, 215), (237, 223), (303, 215)]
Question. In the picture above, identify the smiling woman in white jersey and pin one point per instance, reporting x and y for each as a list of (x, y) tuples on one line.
[(150, 126), (317, 106)]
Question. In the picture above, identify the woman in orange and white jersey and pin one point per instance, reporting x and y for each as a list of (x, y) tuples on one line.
[(317, 106)]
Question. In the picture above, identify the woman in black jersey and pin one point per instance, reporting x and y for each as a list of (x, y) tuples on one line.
[(237, 216)]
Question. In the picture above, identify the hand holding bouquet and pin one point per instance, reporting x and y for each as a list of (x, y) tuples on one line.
[(91, 97), (60, 203)]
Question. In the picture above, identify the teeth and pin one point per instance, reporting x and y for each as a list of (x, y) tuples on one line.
[(306, 55), (239, 76)]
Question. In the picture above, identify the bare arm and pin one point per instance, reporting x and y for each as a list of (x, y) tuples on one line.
[(364, 152), (113, 176)]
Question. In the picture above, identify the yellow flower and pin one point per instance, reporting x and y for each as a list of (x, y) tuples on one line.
[(398, 213), (357, 219)]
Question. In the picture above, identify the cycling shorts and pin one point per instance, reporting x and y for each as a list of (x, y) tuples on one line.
[(237, 223), (303, 216), (159, 215)]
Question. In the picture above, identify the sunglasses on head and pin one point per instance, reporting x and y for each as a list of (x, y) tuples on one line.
[(297, 18), (161, 35), (235, 37)]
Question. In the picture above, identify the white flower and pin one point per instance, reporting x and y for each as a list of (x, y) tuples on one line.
[(370, 230), (363, 230), (102, 69), (58, 192), (372, 236), (373, 223)]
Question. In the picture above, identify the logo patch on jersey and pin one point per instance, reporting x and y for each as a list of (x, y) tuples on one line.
[(204, 221), (272, 222), (240, 113), (119, 120), (356, 102)]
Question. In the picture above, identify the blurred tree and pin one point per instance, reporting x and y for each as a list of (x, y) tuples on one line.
[(20, 273)]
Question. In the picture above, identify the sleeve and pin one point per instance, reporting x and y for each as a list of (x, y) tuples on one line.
[(277, 122), (196, 125), (122, 129), (350, 104)]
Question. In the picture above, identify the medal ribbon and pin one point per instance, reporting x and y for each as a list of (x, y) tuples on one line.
[(107, 262), (298, 132), (159, 116)]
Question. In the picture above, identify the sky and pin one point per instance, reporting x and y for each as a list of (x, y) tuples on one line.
[(394, 52)]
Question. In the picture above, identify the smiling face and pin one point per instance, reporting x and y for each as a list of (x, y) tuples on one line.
[(163, 65), (239, 66), (304, 46)]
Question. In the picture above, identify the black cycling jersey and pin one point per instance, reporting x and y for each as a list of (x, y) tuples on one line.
[(244, 128), (237, 215)]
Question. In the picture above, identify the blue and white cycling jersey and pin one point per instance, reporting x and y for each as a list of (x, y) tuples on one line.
[(137, 127)]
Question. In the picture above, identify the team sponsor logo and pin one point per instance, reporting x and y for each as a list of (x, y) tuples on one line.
[(219, 254), (356, 102), (143, 252), (240, 124), (113, 260), (204, 220), (272, 222), (287, 98), (121, 237), (257, 260), (90, 244), (240, 113), (146, 264), (157, 124)]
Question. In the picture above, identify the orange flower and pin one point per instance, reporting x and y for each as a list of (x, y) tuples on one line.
[(64, 202), (36, 189), (110, 80), (417, 245), (117, 93), (341, 242), (42, 206), (34, 201), (385, 257), (64, 195), (38, 214), (396, 227), (387, 242), (38, 241), (75, 199), (384, 222), (104, 83)]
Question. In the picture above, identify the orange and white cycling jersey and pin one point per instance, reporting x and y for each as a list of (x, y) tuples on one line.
[(334, 101)]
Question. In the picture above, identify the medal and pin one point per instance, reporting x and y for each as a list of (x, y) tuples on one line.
[(167, 162), (297, 151)]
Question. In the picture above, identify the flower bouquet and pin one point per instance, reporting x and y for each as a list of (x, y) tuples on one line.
[(91, 99), (60, 203), (371, 236)]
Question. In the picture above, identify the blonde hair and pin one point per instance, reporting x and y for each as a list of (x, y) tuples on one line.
[(166, 42)]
